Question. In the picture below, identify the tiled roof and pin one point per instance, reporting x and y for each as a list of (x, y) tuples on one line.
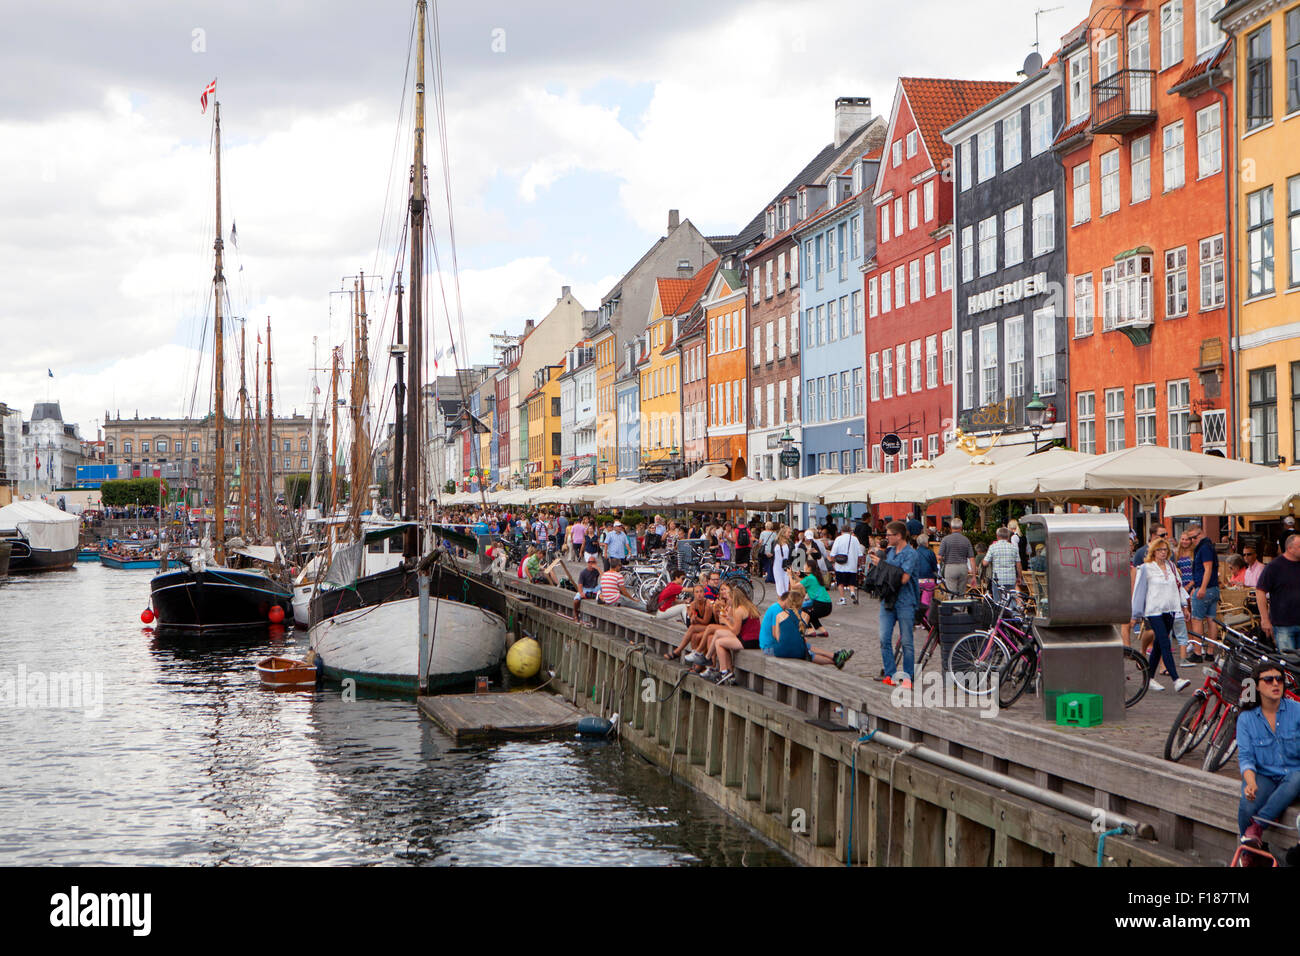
[(671, 292), (695, 288), (1201, 67), (938, 104), (1070, 132)]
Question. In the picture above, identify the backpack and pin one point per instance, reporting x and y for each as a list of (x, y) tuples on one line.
[(742, 538)]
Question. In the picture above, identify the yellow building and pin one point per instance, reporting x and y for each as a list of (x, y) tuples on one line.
[(544, 461), (606, 351), (1266, 37)]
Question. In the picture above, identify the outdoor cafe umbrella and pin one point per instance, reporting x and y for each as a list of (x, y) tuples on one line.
[(1275, 494)]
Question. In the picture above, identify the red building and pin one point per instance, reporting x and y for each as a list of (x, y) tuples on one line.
[(909, 279), (1144, 153)]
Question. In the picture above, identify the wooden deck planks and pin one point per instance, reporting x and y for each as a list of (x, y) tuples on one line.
[(481, 717)]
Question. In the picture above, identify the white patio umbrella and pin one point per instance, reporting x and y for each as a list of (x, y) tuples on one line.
[(1146, 472), (810, 488), (1275, 494), (747, 493), (853, 488), (589, 494)]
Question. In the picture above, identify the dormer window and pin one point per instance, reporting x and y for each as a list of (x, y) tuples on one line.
[(803, 204), (857, 177), (770, 228)]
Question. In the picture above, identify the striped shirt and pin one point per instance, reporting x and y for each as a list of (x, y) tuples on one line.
[(610, 582)]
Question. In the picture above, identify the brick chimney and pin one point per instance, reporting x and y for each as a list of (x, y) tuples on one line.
[(564, 294), (674, 219), (851, 112)]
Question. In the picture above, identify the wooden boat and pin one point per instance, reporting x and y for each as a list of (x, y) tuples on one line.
[(41, 537), (88, 554), (118, 563), (286, 672)]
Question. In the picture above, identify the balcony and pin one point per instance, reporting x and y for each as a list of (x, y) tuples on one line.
[(1123, 101)]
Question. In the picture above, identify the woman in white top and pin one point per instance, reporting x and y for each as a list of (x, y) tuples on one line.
[(1157, 597), (781, 554)]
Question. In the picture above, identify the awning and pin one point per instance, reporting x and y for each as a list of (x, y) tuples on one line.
[(582, 476), (1272, 495)]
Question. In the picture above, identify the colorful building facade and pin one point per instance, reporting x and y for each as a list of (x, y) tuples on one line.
[(725, 336)]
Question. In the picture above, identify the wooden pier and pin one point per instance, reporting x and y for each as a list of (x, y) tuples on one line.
[(470, 718), (785, 750)]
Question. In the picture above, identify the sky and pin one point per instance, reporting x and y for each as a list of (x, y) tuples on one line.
[(571, 128)]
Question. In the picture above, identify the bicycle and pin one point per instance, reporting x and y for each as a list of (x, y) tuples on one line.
[(932, 637)]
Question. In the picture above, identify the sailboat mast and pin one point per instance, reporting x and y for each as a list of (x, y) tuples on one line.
[(257, 417), (414, 498), (363, 415), (270, 443), (397, 478), (219, 357), (334, 429), (243, 437), (315, 390)]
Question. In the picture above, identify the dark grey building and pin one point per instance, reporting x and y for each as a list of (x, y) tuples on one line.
[(1012, 295)]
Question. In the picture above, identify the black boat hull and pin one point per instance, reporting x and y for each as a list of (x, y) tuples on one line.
[(24, 559), (5, 549), (217, 599)]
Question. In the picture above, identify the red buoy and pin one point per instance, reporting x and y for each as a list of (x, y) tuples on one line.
[(146, 616), (276, 614)]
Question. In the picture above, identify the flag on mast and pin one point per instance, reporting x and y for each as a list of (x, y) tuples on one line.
[(203, 100)]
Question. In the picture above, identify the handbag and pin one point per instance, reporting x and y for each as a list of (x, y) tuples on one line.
[(841, 559)]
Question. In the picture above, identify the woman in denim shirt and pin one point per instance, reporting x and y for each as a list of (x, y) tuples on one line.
[(1268, 753)]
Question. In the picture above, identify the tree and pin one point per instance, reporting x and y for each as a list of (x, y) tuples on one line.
[(119, 493)]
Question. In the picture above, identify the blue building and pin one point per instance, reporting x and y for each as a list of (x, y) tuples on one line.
[(833, 245), (627, 400)]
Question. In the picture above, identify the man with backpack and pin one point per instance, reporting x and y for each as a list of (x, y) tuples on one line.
[(743, 544)]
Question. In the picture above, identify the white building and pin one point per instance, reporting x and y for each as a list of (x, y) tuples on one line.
[(55, 444), (578, 415)]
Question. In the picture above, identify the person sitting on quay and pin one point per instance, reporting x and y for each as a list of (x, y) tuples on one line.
[(817, 605), (699, 615), (780, 633), (1268, 753), (588, 586), (740, 632), (613, 592), (669, 603), (702, 642)]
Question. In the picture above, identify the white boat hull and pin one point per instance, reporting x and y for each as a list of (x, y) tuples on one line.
[(378, 646)]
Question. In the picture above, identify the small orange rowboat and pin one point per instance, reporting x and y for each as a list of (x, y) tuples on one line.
[(286, 672)]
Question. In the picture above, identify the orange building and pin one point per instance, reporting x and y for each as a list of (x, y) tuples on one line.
[(605, 347), (724, 336), (1143, 153)]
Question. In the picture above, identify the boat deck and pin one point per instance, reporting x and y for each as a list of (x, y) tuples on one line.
[(482, 717)]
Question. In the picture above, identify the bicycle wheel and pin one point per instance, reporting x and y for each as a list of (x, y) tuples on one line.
[(758, 590), (742, 583), (1017, 674), (1136, 676), (1223, 743), (975, 661), (1187, 728)]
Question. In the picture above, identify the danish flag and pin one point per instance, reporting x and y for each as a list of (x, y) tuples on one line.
[(203, 100)]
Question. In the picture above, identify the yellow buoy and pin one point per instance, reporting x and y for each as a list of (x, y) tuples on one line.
[(524, 659)]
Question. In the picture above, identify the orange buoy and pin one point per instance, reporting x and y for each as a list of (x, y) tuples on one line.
[(276, 614), (146, 616)]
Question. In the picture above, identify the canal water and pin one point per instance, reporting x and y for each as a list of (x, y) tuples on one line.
[(187, 759)]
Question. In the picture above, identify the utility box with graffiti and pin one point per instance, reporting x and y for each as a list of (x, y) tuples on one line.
[(1085, 595)]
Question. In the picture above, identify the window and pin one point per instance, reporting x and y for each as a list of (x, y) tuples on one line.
[(162, 446), (886, 284), (945, 268), (819, 329), (964, 159), (1011, 141), (783, 393), (1209, 149), (1207, 31), (1179, 412), (857, 312), (987, 150), (914, 280), (1114, 419), (1108, 304), (873, 291), (1293, 65), (1173, 153), (900, 285), (194, 447), (927, 199), (1263, 415), (1040, 125), (1080, 88), (833, 397), (1045, 351), (918, 449), (1083, 305), (988, 229), (1087, 419), (1107, 62), (757, 350), (897, 152), (887, 372), (144, 448), (1133, 289), (875, 457), (967, 253), (916, 365), (126, 447), (767, 279), (1259, 240), (830, 329), (1295, 409), (1293, 229), (1109, 181), (855, 234), (947, 356), (769, 341), (967, 368), (929, 274), (900, 369), (303, 462), (911, 143), (858, 405), (873, 364), (1014, 346), (933, 441), (1139, 59), (898, 216), (884, 222), (1013, 239), (1082, 193), (988, 364), (931, 361), (1176, 282), (753, 278), (1212, 291), (1044, 212), (1144, 413), (1140, 169), (1171, 33), (913, 210)]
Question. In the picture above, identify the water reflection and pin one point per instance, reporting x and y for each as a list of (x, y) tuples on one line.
[(194, 761)]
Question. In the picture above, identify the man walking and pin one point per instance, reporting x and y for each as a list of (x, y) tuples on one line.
[(1004, 561), (956, 559), (616, 544), (901, 555), (846, 552), (1278, 592), (1205, 587)]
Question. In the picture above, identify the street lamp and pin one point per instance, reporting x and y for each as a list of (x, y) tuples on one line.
[(1038, 415)]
